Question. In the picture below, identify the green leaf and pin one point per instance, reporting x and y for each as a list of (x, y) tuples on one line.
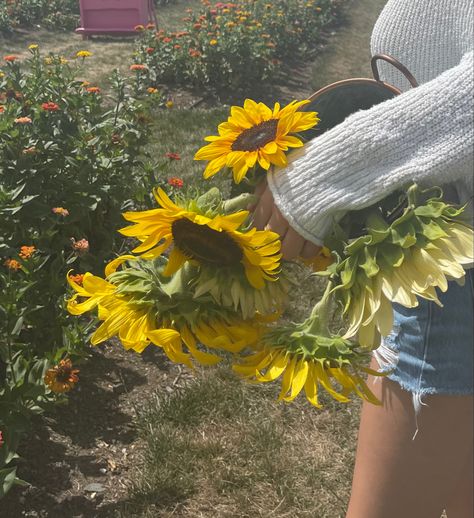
[(7, 479)]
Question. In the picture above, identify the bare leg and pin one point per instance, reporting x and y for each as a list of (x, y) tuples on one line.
[(461, 504), (397, 476)]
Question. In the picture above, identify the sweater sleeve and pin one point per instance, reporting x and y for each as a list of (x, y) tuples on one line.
[(425, 135)]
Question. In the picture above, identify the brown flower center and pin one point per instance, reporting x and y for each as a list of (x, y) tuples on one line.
[(205, 244), (256, 137)]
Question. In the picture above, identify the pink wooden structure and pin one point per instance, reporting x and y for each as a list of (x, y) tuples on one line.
[(114, 16)]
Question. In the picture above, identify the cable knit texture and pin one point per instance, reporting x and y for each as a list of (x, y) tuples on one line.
[(426, 134)]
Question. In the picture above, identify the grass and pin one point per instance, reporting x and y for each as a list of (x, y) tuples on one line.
[(347, 53), (223, 448), (218, 447)]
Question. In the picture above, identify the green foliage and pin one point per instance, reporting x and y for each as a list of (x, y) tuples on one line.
[(52, 14), (70, 160), (234, 46)]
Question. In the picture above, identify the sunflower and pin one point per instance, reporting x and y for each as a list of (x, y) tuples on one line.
[(140, 306), (307, 355), (255, 134), (400, 260), (300, 371), (208, 238), (62, 377)]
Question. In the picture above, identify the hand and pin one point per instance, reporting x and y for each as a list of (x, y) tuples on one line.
[(267, 216)]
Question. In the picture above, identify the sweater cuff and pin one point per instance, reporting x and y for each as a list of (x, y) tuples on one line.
[(321, 227)]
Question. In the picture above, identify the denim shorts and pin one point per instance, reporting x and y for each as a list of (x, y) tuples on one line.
[(430, 350)]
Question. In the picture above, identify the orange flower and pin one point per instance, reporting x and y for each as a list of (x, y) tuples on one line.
[(77, 278), (12, 264), (152, 90), (139, 28), (23, 120), (81, 247), (61, 211), (50, 106), (150, 50), (138, 67), (166, 40), (175, 182), (176, 47), (26, 252), (62, 377), (93, 90), (10, 58), (150, 26)]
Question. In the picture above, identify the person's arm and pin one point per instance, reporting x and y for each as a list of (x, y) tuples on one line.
[(423, 134)]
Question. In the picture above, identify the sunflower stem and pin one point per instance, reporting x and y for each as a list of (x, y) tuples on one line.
[(318, 321), (179, 280), (240, 202)]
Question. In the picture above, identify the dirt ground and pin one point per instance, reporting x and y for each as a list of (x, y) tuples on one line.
[(78, 460)]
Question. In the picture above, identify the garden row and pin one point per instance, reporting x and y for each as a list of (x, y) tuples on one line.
[(68, 155), (227, 47)]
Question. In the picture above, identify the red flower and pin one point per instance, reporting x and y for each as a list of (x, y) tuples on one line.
[(138, 67), (150, 50), (10, 58), (175, 182), (93, 90), (2, 442), (173, 156), (50, 107), (166, 40)]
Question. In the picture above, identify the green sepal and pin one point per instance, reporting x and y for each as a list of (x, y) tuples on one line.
[(357, 245), (392, 254), (403, 235), (370, 265), (431, 230), (378, 228), (432, 209)]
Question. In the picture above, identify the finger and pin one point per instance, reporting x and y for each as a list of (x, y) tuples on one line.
[(259, 190), (292, 245), (310, 250), (263, 210), (277, 223)]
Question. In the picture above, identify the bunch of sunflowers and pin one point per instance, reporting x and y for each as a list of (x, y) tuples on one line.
[(203, 283)]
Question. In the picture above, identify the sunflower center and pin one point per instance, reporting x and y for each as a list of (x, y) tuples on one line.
[(205, 244), (256, 137)]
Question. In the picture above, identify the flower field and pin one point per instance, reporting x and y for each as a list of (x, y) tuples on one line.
[(101, 172)]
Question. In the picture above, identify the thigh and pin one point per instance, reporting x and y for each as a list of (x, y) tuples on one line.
[(397, 474)]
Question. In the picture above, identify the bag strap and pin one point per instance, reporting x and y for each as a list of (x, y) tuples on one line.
[(389, 59)]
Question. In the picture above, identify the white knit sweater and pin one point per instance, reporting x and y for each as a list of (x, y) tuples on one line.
[(426, 134)]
